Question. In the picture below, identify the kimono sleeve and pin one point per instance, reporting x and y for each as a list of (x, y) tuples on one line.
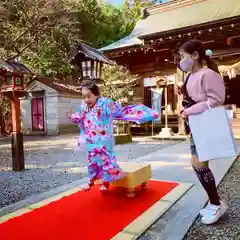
[(137, 113), (113, 108)]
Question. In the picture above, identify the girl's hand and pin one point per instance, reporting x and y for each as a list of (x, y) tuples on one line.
[(69, 114), (75, 118)]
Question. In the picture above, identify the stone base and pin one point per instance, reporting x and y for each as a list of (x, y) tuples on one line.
[(175, 137), (123, 138), (68, 128), (166, 132)]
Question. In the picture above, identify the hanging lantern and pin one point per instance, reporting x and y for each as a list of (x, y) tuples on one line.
[(11, 82), (91, 69), (229, 41), (12, 75), (89, 61)]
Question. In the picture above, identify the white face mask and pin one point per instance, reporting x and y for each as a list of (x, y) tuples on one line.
[(186, 65)]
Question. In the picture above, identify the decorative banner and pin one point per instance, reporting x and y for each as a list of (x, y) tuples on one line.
[(157, 102)]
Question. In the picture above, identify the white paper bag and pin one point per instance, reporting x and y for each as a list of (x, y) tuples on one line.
[(212, 134), (230, 114)]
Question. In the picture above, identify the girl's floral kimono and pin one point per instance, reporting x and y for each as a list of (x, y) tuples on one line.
[(96, 133)]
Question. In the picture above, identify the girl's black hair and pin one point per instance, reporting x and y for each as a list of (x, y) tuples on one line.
[(92, 86), (195, 45)]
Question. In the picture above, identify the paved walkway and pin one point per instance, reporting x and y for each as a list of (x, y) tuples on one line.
[(173, 164)]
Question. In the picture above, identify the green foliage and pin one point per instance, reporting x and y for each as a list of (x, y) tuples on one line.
[(43, 31), (5, 115), (118, 83), (38, 31), (132, 14)]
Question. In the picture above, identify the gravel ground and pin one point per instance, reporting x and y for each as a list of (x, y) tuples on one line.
[(52, 162), (228, 227)]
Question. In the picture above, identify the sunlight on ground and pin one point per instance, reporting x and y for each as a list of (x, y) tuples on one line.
[(177, 156), (66, 167), (43, 147), (184, 155), (166, 164), (74, 148), (153, 142), (38, 166), (188, 168), (72, 170)]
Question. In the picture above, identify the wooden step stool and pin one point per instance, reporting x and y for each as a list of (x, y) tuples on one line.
[(136, 174)]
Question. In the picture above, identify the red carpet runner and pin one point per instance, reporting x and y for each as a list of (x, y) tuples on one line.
[(84, 215)]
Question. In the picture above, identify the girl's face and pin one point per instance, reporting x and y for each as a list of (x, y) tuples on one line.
[(89, 98), (188, 61)]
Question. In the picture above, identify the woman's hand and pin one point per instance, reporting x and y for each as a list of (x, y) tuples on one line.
[(183, 115)]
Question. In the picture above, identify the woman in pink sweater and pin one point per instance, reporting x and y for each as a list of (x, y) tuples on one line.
[(203, 89)]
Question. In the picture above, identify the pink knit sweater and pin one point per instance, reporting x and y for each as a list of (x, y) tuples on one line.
[(207, 88)]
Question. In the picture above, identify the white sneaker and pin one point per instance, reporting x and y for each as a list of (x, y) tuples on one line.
[(203, 211), (213, 213)]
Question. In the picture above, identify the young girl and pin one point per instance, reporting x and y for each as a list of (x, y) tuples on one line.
[(202, 89), (95, 119)]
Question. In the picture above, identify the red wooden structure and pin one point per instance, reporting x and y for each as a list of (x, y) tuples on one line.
[(12, 86)]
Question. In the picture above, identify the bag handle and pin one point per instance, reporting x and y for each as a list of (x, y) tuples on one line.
[(209, 107)]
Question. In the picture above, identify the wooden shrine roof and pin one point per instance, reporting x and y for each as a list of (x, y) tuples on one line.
[(83, 51), (58, 85), (12, 65), (178, 15)]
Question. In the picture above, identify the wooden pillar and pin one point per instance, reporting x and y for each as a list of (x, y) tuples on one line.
[(166, 104), (128, 129), (179, 81), (17, 136), (141, 83)]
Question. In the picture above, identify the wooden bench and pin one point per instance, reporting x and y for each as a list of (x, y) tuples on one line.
[(136, 174)]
